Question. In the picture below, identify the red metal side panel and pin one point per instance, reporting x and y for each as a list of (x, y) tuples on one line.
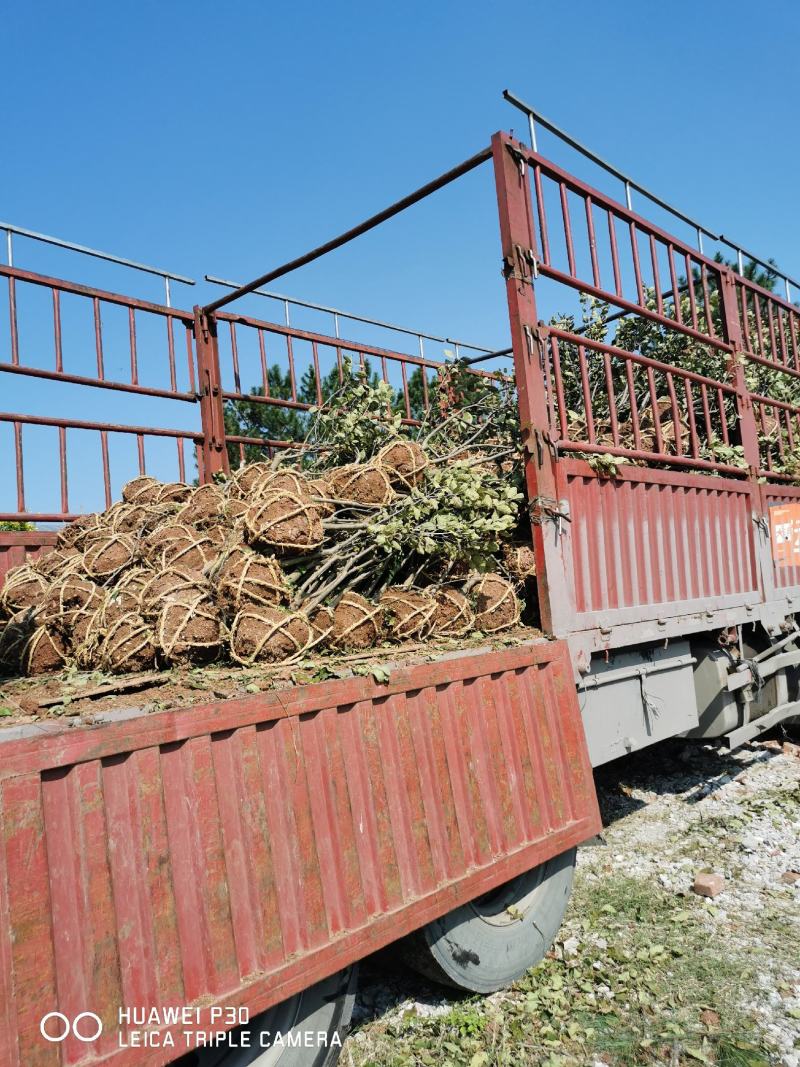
[(787, 578), (235, 853), (19, 548), (657, 539)]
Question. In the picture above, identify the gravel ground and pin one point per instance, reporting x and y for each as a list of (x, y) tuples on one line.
[(645, 971)]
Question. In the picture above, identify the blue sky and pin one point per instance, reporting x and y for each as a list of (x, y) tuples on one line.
[(228, 138)]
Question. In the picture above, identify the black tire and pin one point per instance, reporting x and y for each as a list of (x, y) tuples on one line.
[(323, 1008), (490, 942)]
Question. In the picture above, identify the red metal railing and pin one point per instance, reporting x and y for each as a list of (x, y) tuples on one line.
[(88, 314)]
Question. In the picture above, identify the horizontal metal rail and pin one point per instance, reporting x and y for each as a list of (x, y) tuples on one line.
[(356, 231), (338, 313), (630, 183), (44, 238)]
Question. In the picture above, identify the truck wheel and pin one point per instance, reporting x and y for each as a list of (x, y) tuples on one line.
[(323, 1009), (487, 944)]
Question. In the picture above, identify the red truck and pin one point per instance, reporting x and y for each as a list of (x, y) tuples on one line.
[(203, 881)]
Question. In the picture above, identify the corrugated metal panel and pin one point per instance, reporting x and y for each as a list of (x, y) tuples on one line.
[(239, 852), (19, 548), (787, 579), (658, 538)]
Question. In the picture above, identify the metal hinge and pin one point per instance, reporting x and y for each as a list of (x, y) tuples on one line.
[(523, 265)]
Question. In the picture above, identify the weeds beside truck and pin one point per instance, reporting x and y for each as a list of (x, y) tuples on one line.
[(244, 853)]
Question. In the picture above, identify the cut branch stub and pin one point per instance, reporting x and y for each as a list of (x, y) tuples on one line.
[(244, 577), (24, 587), (357, 623), (497, 606), (454, 616), (128, 646), (356, 484), (269, 634), (106, 554), (404, 461), (284, 522), (409, 612), (189, 629)]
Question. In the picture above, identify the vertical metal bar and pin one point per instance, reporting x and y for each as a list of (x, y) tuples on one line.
[(212, 404), (516, 230), (9, 248), (676, 418), (637, 435), (722, 416), (262, 355), (107, 465), (690, 287), (406, 397), (637, 270), (12, 318), (134, 358), (592, 242), (537, 180), (62, 468), (612, 399), (651, 388), (317, 379), (140, 453), (567, 228), (173, 374), (771, 322), (676, 294), (612, 236), (709, 315), (167, 295), (656, 279), (290, 355), (744, 409), (57, 330), (181, 460), (782, 332), (587, 394), (759, 349), (190, 356), (20, 467), (561, 402), (98, 337), (628, 201), (710, 435), (237, 382), (532, 132), (693, 438)]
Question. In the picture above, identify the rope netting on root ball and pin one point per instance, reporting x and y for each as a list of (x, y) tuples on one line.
[(377, 529)]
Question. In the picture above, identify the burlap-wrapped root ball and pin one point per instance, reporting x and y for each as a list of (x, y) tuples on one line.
[(23, 588), (179, 545), (234, 510), (87, 653), (322, 496), (58, 562), (106, 554), (189, 629), (497, 605), (75, 533), (137, 518), (454, 615), (127, 590), (284, 481), (409, 613), (357, 623), (285, 522), (141, 490), (245, 481), (173, 493), (404, 461), (70, 605), (356, 484), (166, 583), (520, 561), (321, 623), (269, 634), (128, 646), (205, 507), (244, 577), (44, 650)]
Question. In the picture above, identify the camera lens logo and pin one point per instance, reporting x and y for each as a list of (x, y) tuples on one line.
[(56, 1027)]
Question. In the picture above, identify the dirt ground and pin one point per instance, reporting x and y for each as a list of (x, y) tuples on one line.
[(645, 971)]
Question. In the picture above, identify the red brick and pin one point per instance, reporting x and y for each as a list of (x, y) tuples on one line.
[(709, 885)]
